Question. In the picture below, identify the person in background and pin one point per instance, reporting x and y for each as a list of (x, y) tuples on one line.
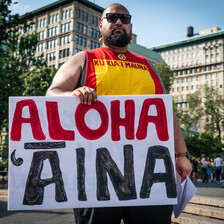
[(218, 167), (195, 169), (209, 170), (212, 166), (204, 166), (79, 77)]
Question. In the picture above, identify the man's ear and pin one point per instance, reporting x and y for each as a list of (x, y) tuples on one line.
[(100, 24)]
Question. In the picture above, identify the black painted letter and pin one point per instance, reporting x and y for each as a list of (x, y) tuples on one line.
[(34, 192), (124, 185), (80, 161), (158, 152)]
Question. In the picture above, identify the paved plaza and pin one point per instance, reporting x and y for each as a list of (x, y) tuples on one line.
[(66, 215)]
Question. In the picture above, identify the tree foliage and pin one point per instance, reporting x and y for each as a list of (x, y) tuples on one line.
[(214, 110), (21, 73), (205, 143), (206, 109), (166, 75)]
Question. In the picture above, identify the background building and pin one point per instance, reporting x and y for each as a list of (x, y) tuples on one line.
[(195, 61), (69, 26)]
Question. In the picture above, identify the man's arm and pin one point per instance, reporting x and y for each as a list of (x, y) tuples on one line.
[(67, 77), (183, 164)]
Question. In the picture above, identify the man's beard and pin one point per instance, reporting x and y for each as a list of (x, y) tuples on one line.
[(117, 39)]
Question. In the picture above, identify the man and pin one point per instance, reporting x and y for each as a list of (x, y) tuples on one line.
[(218, 167), (93, 70)]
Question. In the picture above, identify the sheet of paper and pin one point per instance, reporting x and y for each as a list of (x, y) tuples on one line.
[(185, 191)]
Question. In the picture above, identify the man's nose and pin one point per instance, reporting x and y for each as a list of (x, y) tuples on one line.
[(119, 21)]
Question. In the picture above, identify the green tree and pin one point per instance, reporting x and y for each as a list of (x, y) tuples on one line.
[(166, 75), (205, 143), (36, 82), (20, 71), (213, 110)]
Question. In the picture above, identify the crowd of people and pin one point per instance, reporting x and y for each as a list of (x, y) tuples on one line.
[(209, 169)]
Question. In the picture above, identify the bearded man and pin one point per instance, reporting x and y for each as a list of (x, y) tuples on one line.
[(82, 77)]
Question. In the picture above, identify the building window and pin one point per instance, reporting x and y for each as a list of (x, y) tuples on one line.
[(82, 15), (64, 53), (94, 20), (41, 23), (77, 50), (51, 44), (81, 28), (65, 40), (52, 31), (94, 44), (51, 56), (40, 47), (66, 27), (86, 17), (42, 35), (53, 19), (94, 33), (67, 14), (80, 41)]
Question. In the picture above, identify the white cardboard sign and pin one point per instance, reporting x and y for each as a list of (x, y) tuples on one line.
[(117, 152)]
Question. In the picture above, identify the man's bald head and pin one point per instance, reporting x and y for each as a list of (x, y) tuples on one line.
[(115, 8)]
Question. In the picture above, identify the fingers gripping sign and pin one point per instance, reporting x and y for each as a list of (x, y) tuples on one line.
[(85, 94)]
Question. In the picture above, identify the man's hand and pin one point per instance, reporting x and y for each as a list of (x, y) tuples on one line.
[(183, 167), (85, 94)]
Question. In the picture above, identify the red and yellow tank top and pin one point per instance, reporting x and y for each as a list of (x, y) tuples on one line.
[(111, 73)]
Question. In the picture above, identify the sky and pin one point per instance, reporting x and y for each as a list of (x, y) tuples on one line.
[(155, 22)]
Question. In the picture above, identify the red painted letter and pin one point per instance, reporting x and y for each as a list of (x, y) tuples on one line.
[(34, 121), (160, 120), (83, 129), (127, 122), (56, 131)]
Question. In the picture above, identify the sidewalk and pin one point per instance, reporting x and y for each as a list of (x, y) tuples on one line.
[(209, 191)]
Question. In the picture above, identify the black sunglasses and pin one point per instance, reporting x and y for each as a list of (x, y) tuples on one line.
[(113, 17)]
